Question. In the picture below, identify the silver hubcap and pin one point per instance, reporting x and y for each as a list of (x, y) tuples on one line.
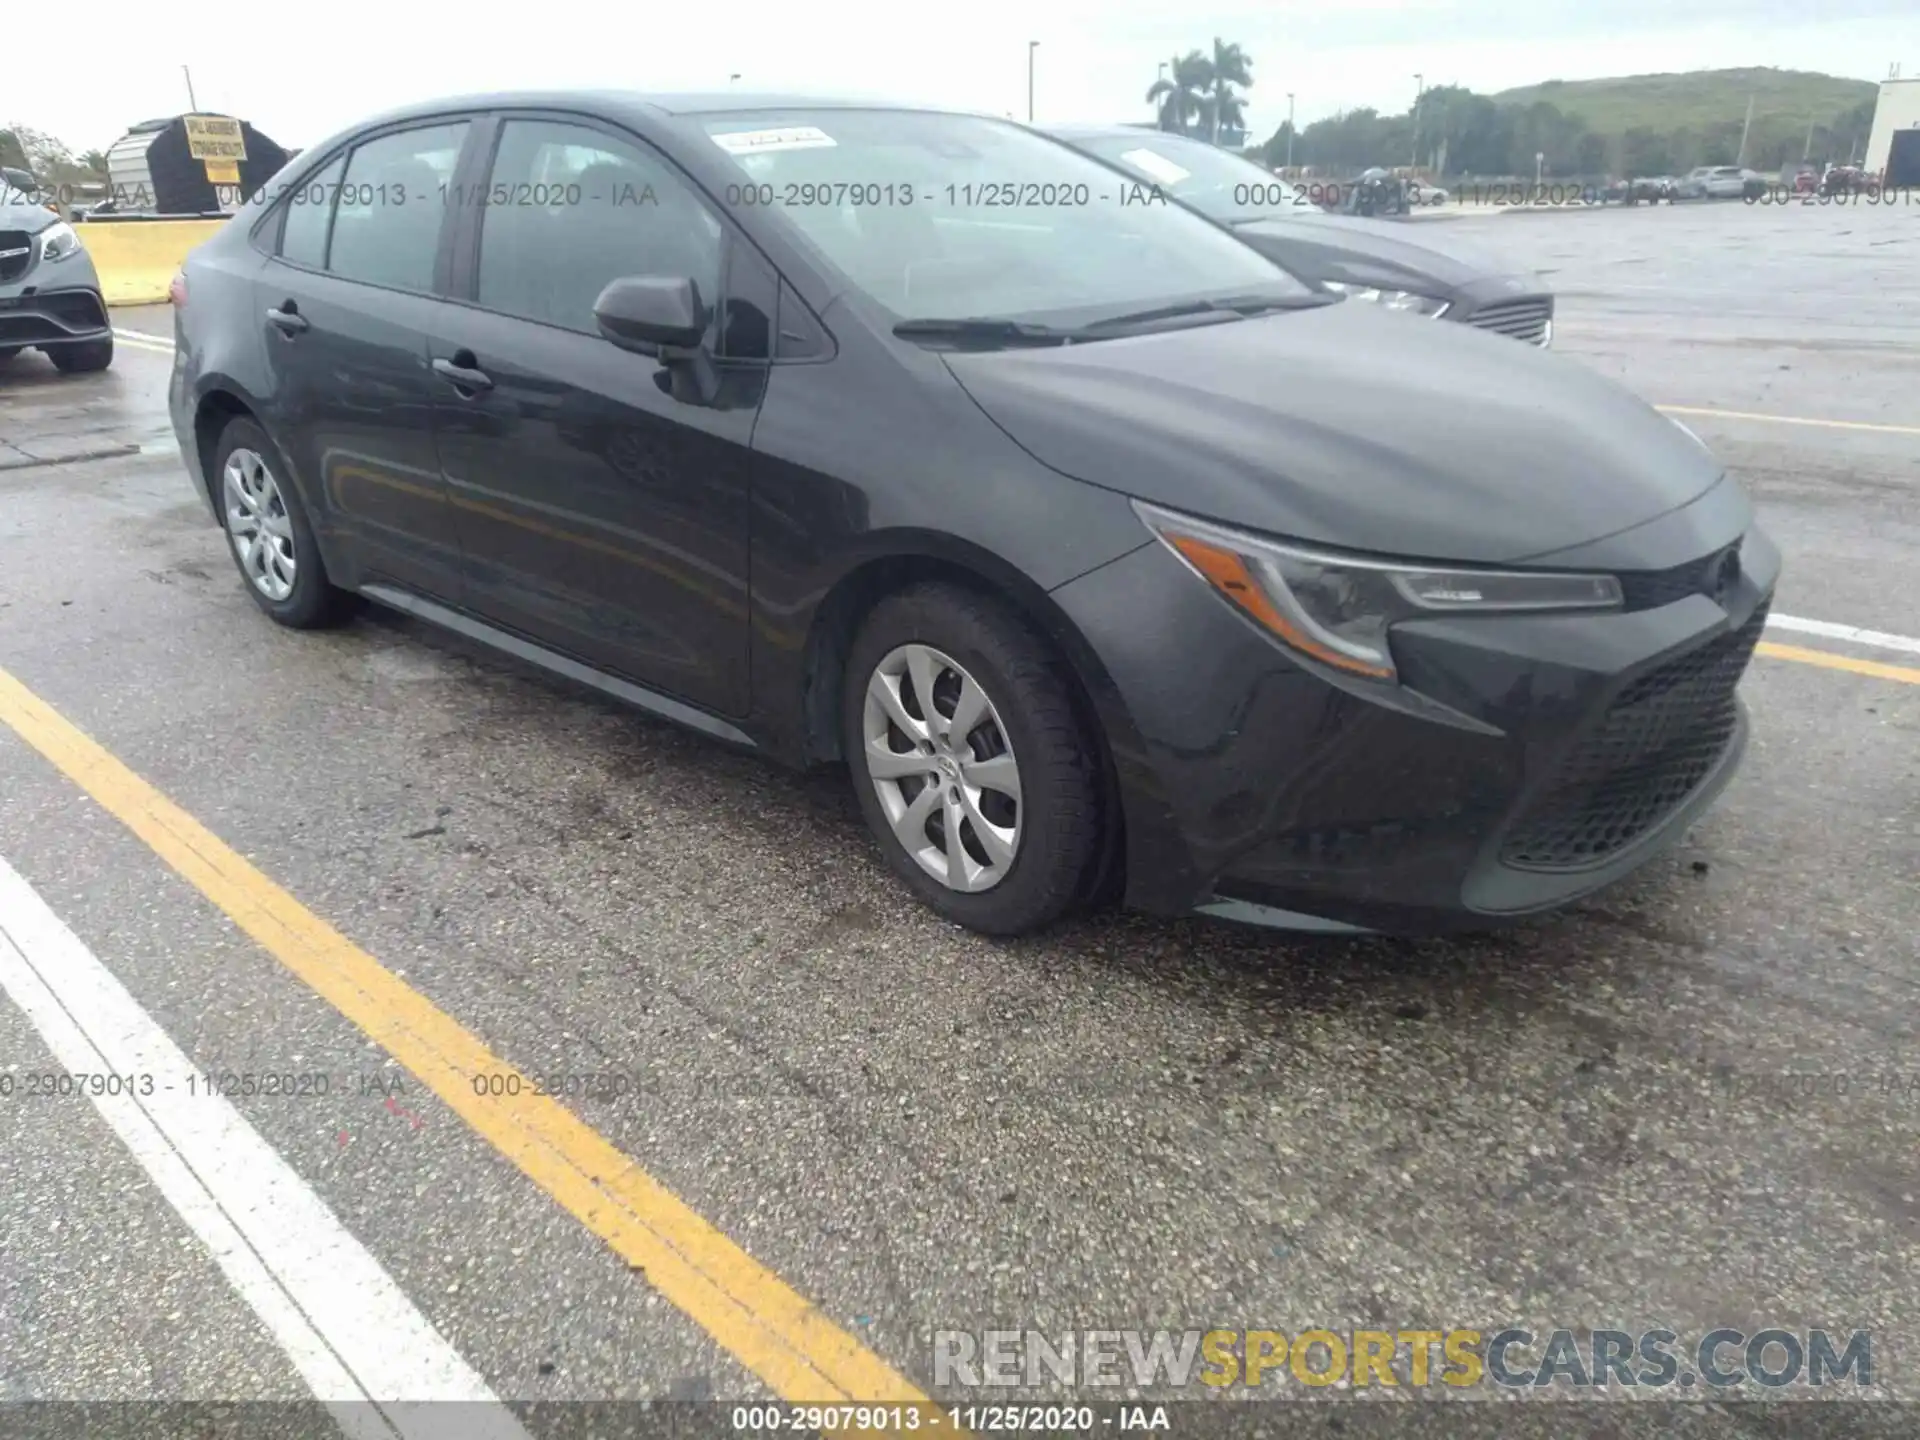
[(258, 525), (942, 765)]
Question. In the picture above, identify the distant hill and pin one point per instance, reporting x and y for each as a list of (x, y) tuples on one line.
[(1700, 99)]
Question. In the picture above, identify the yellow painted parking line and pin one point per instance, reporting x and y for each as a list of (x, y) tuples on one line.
[(1789, 420), (1827, 660), (781, 1337)]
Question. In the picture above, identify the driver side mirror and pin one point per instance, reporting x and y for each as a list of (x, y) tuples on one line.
[(649, 314)]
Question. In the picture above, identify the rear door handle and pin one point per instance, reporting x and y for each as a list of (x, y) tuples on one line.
[(288, 318), (463, 377)]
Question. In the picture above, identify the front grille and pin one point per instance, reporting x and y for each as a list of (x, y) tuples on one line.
[(1522, 319), (13, 266), (1657, 742), (1650, 589)]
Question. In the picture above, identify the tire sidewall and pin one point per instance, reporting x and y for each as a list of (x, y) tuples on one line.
[(921, 618), (310, 597)]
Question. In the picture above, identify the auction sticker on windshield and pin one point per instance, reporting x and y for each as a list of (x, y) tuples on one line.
[(757, 142), (1156, 165)]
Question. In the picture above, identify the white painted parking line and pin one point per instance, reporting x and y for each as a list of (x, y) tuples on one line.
[(141, 340), (1878, 639), (356, 1339)]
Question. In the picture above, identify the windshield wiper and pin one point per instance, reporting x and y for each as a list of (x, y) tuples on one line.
[(998, 330), (1228, 307), (984, 328)]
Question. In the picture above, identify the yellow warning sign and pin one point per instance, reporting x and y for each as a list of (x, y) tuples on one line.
[(215, 137), (223, 172)]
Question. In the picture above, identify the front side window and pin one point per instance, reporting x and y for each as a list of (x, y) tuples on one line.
[(959, 216), (386, 223), (568, 208), (1220, 185)]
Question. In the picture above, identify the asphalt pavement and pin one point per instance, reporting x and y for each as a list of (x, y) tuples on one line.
[(1128, 1122)]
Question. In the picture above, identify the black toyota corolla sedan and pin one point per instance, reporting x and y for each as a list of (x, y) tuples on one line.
[(1113, 560), (1417, 269)]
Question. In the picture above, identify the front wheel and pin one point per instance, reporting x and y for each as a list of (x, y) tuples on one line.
[(971, 764), (77, 359)]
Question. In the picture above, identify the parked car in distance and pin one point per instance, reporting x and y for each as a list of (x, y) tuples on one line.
[(1643, 190), (1424, 192), (1719, 182), (1111, 558), (1397, 267), (50, 297), (1801, 179)]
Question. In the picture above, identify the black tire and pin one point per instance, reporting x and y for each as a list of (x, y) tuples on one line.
[(1062, 806), (77, 359), (314, 602)]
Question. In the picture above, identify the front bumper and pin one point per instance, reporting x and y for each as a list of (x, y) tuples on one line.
[(53, 304), (1560, 753)]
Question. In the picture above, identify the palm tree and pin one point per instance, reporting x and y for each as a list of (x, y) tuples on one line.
[(1230, 66), (1179, 97)]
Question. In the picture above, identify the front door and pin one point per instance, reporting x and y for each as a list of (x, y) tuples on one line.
[(601, 502)]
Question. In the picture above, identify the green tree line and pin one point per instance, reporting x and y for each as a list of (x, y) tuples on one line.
[(1456, 132)]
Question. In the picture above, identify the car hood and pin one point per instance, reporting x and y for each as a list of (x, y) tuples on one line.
[(1351, 427), (30, 218), (1344, 247)]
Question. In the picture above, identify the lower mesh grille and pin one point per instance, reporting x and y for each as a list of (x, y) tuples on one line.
[(1656, 744)]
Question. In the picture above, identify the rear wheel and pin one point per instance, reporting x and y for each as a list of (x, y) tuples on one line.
[(268, 533), (75, 359), (970, 762)]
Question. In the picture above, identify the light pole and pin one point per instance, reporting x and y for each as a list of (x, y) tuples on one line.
[(1419, 89), (733, 77), (190, 100), (1289, 132), (1032, 45)]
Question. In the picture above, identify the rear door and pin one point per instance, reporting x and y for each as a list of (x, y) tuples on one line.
[(347, 303), (601, 500)]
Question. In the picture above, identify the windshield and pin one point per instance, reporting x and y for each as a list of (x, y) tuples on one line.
[(957, 216), (1219, 184)]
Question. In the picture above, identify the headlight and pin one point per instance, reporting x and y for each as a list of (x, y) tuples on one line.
[(1337, 608), (1407, 300), (58, 241)]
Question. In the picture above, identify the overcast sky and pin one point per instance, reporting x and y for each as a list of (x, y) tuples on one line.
[(300, 73)]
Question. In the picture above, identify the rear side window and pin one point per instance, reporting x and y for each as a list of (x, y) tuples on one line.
[(386, 223), (568, 208), (303, 236)]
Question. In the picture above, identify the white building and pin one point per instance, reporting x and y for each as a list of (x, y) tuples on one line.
[(1893, 147)]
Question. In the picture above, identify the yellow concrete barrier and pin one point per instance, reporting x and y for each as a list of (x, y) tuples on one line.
[(137, 258)]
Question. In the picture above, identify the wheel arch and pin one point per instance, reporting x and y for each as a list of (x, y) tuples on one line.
[(218, 404), (917, 558)]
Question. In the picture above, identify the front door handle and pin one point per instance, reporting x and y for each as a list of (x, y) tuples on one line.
[(464, 377), (288, 318)]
